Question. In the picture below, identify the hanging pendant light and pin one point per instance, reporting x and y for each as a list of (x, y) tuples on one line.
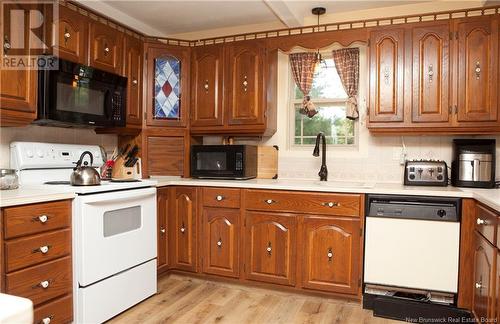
[(319, 11)]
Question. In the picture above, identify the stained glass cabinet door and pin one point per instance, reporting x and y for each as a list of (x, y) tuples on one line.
[(168, 86)]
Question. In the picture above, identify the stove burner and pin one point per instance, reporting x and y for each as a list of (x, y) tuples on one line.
[(57, 182)]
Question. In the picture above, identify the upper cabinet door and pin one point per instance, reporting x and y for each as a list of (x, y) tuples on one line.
[(245, 83), (477, 69), (18, 87), (167, 86), (133, 71), (431, 73), (207, 92), (105, 47), (386, 75), (69, 36)]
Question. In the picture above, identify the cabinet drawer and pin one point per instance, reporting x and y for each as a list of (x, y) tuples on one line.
[(301, 202), (32, 250), (486, 223), (29, 283), (58, 311), (221, 197), (36, 218)]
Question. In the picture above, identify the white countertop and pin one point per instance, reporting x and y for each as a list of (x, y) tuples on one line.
[(30, 195), (15, 309), (489, 197)]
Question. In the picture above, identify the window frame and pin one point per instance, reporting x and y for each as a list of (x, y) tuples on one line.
[(291, 119)]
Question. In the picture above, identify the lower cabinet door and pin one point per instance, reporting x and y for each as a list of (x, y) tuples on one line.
[(162, 214), (183, 228), (221, 230), (483, 298), (331, 254), (270, 247)]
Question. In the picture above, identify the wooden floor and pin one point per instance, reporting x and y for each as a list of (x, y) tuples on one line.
[(189, 300)]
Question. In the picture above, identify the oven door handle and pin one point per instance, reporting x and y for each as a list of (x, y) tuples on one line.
[(126, 196)]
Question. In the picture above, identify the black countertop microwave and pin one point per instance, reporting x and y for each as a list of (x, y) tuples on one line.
[(77, 95), (237, 162)]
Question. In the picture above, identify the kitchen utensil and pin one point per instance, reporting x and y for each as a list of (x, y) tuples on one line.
[(473, 163), (84, 175), (8, 179)]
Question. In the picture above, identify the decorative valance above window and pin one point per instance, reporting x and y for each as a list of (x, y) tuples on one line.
[(347, 65), (303, 65)]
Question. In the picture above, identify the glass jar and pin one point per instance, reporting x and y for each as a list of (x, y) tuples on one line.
[(8, 179)]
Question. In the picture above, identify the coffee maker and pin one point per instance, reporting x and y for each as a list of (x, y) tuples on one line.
[(473, 163)]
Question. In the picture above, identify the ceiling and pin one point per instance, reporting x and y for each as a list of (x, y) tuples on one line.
[(173, 18)]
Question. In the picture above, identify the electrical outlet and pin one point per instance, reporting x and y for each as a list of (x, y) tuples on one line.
[(398, 154)]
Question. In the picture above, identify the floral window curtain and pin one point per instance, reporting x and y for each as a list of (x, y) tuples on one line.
[(303, 65), (347, 65)]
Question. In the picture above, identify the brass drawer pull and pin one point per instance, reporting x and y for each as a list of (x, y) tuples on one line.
[(269, 201), (42, 284), (42, 219), (219, 198), (134, 81), (42, 249), (480, 221), (46, 320), (269, 248), (163, 230), (331, 204), (330, 254)]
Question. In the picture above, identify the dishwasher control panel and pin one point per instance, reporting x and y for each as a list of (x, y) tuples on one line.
[(414, 207), (426, 173)]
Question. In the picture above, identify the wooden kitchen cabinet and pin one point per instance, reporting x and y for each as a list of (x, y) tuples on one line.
[(162, 219), (331, 255), (220, 241), (386, 68), (132, 63), (18, 87), (270, 247), (106, 47), (431, 73), (483, 298), (245, 83), (183, 228), (477, 73), (167, 85), (25, 266), (207, 92), (71, 29)]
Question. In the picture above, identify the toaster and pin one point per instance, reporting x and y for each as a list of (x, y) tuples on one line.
[(426, 173)]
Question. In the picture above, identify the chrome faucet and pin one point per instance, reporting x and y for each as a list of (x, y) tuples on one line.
[(323, 171)]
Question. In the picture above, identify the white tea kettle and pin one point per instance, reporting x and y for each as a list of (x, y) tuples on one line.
[(84, 175)]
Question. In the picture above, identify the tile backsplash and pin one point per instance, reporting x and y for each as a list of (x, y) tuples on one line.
[(35, 133)]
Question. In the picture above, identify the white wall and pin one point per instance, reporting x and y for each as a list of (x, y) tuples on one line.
[(376, 158), (35, 133)]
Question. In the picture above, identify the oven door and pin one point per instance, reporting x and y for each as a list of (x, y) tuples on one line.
[(113, 232)]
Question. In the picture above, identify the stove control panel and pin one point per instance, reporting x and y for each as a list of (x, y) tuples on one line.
[(426, 173), (33, 155)]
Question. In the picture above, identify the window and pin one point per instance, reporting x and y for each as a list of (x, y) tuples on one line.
[(329, 97)]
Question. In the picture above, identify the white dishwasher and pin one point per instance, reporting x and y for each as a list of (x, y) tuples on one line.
[(412, 246)]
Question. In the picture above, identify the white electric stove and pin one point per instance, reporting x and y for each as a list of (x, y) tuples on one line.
[(114, 229)]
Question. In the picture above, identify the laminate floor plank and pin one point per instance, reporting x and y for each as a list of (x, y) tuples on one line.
[(187, 300)]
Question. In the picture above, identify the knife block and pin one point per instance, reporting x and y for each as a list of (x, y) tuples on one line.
[(121, 172)]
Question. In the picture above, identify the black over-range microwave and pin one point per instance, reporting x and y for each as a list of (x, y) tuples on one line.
[(80, 96), (224, 161)]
